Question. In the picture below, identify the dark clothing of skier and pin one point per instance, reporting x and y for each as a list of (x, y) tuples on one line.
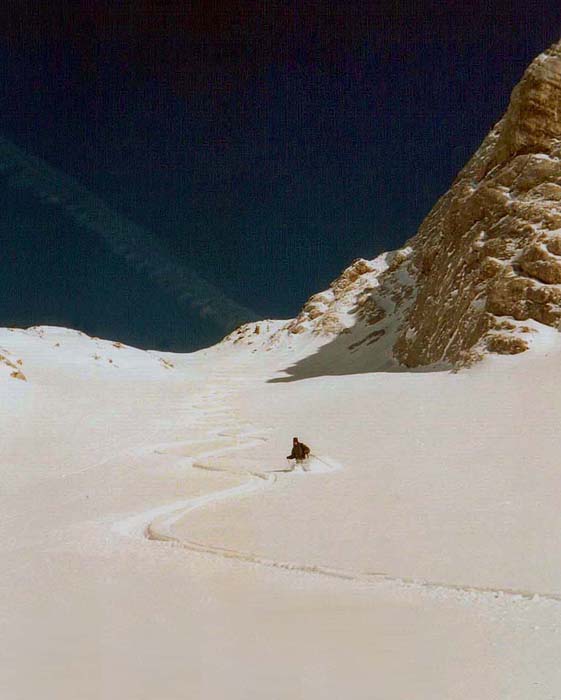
[(299, 452)]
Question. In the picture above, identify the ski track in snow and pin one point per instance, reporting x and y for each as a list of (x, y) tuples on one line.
[(156, 525)]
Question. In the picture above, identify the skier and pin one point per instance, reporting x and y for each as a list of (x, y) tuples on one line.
[(299, 452)]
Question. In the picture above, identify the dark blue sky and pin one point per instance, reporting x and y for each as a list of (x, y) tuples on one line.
[(264, 144)]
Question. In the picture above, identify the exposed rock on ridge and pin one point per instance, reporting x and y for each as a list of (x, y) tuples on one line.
[(485, 265), (491, 246), (367, 303)]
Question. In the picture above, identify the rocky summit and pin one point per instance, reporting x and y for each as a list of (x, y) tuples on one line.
[(487, 257), (484, 269)]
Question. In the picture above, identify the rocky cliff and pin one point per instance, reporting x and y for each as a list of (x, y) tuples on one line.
[(484, 265), (487, 257)]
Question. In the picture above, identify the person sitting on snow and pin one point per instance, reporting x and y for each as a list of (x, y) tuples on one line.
[(299, 452)]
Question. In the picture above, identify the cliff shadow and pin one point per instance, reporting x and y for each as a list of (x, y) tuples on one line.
[(357, 350)]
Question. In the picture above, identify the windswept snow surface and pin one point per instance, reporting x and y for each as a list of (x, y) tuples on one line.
[(154, 545)]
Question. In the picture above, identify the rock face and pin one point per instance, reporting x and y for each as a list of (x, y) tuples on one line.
[(491, 246), (12, 365), (486, 262)]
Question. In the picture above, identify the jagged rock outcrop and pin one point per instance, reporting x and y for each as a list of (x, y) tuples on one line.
[(13, 366), (365, 304), (485, 264), (491, 246)]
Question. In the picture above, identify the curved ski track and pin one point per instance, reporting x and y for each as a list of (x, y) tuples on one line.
[(155, 525)]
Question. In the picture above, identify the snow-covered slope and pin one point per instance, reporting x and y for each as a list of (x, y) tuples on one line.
[(153, 544), (66, 347)]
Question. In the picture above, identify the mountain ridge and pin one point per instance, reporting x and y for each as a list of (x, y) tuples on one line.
[(485, 263)]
